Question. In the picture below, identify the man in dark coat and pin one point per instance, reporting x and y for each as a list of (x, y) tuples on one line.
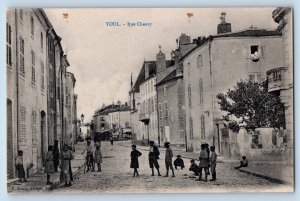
[(56, 155), (153, 156)]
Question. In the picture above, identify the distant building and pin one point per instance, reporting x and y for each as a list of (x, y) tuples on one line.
[(215, 66)]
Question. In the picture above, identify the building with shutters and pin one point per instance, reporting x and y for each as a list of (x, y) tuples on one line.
[(214, 67)]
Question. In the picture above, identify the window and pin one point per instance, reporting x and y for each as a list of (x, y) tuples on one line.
[(22, 62), (8, 45), (199, 61), (67, 97), (32, 25), (33, 128), (155, 103), (149, 106), (42, 76), (165, 90), (255, 77), (190, 95), (42, 40), (152, 104), (191, 129), (58, 87), (32, 67), (23, 122), (253, 49), (255, 52), (202, 120), (160, 112), (166, 109), (201, 91)]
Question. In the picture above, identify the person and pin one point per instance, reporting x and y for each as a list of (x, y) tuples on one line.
[(168, 159), (89, 157), (203, 165), (194, 167), (208, 154), (213, 163), (55, 155), (20, 167), (98, 157), (134, 159), (153, 156), (178, 162), (243, 163), (111, 140), (66, 155), (49, 164)]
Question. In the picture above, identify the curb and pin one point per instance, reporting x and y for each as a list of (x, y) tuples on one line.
[(271, 179)]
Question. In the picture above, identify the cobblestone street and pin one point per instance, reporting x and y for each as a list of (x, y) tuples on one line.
[(116, 176)]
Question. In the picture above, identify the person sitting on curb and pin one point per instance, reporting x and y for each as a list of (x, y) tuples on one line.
[(243, 163), (194, 167)]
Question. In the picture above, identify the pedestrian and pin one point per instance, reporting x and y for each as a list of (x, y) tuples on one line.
[(213, 163), (89, 157), (20, 166), (49, 164), (168, 159), (153, 157), (194, 167), (203, 165), (56, 155), (243, 163), (98, 157), (67, 155), (70, 164), (178, 162), (208, 153), (134, 155), (111, 140)]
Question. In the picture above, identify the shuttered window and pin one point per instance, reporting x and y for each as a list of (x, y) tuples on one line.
[(32, 66), (42, 76), (22, 52), (33, 128), (8, 45), (22, 123), (202, 120)]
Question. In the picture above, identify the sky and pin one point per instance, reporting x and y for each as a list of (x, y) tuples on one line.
[(103, 57)]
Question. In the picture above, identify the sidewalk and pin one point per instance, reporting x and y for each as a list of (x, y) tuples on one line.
[(275, 171), (37, 182)]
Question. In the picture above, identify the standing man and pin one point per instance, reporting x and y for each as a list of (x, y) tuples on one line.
[(168, 159), (203, 162), (213, 163), (153, 156)]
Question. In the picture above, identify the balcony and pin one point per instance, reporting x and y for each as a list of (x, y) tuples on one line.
[(276, 79), (144, 117)]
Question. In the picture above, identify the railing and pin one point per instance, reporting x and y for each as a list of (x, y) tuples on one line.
[(276, 79)]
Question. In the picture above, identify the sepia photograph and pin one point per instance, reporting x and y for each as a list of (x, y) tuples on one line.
[(149, 100)]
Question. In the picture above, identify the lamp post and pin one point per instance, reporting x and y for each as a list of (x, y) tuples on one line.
[(82, 118)]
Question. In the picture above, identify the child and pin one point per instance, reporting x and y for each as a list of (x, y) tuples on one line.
[(179, 162), (20, 167), (208, 153), (134, 159), (243, 163), (194, 167), (89, 156), (98, 157), (66, 156), (49, 164), (153, 156), (203, 162), (213, 163), (168, 159)]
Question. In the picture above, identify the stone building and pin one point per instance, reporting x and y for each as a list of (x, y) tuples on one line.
[(281, 77), (27, 74), (34, 60), (215, 66)]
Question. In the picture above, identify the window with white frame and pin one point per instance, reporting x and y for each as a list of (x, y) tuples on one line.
[(255, 77)]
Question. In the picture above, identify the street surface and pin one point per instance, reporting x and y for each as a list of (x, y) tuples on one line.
[(116, 177)]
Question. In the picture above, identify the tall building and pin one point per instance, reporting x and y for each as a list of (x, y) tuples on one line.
[(70, 137)]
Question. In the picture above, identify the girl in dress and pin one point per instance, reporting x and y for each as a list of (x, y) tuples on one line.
[(134, 160)]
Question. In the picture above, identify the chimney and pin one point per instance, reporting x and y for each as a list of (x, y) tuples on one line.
[(223, 27), (146, 70), (160, 60)]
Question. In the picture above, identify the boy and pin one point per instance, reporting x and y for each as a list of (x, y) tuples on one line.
[(134, 160), (179, 162), (20, 167), (98, 157), (194, 167), (243, 163), (153, 156), (213, 163), (203, 163), (89, 156), (168, 159)]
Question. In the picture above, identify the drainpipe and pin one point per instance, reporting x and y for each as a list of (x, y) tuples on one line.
[(157, 115), (17, 75), (212, 84)]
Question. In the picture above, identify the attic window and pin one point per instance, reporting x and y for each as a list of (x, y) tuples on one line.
[(254, 53)]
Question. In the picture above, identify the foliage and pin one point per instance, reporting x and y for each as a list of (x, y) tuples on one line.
[(250, 104)]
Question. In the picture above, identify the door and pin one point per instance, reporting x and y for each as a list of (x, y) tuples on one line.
[(34, 142), (43, 138), (10, 150), (225, 146)]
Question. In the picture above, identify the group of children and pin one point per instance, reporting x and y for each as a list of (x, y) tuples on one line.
[(93, 157)]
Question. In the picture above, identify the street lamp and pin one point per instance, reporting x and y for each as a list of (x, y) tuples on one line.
[(82, 118)]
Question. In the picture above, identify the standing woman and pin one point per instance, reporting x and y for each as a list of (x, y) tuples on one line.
[(66, 157), (134, 159), (49, 164)]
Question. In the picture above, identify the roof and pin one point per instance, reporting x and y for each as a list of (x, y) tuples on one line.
[(170, 76), (112, 108), (249, 32), (141, 77)]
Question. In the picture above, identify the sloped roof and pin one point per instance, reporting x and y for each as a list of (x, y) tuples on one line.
[(170, 76)]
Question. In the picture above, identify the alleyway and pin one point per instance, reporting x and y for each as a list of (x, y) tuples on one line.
[(116, 176)]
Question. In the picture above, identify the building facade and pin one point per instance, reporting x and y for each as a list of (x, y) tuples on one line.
[(71, 119)]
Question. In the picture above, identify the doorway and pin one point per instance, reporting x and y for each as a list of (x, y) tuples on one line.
[(10, 146), (43, 136)]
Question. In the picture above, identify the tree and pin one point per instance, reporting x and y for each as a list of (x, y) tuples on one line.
[(250, 104)]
